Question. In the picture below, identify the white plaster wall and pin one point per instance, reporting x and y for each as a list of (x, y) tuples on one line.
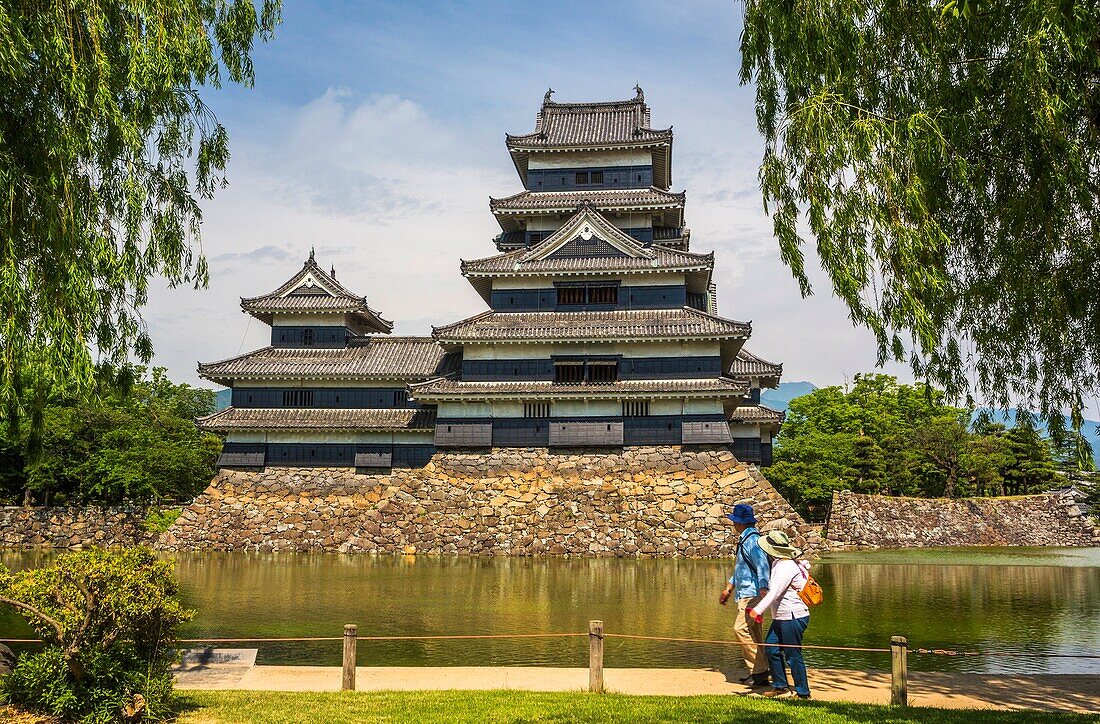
[(591, 408), (628, 157), (696, 406), (464, 409), (747, 429)]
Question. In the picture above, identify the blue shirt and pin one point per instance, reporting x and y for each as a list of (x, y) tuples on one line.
[(750, 572)]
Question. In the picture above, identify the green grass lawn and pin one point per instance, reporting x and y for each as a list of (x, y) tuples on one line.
[(208, 707)]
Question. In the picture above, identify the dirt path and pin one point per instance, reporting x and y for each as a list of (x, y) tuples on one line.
[(1070, 693)]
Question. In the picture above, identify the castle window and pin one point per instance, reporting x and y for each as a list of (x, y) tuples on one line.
[(568, 372), (597, 177), (582, 178), (400, 398), (635, 408), (536, 409), (297, 398), (603, 295), (571, 295), (307, 337), (603, 372)]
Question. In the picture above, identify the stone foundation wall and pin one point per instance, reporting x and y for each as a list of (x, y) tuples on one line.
[(878, 521), (71, 527), (659, 501)]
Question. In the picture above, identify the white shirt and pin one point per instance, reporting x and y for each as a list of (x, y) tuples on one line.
[(787, 579)]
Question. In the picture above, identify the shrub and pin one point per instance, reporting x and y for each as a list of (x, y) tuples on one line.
[(158, 521), (108, 619)]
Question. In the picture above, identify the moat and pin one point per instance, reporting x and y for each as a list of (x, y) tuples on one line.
[(1004, 600)]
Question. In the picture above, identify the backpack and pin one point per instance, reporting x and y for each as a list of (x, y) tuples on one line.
[(811, 592)]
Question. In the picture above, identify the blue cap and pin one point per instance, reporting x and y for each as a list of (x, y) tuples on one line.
[(742, 513)]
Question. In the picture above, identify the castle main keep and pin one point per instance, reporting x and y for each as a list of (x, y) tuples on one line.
[(602, 329)]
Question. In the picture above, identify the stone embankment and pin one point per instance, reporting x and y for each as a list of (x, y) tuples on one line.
[(879, 521), (55, 527), (661, 501)]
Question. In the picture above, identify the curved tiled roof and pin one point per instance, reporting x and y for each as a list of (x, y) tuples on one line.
[(749, 365), (757, 413), (684, 322), (236, 418), (588, 223), (330, 296), (379, 357), (563, 201), (664, 259), (586, 124), (445, 387)]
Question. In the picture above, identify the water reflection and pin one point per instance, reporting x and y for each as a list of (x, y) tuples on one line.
[(974, 604)]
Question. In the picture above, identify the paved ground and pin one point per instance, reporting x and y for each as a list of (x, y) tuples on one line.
[(955, 691)]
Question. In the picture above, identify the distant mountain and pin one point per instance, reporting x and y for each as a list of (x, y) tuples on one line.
[(780, 398), (225, 397), (1091, 428)]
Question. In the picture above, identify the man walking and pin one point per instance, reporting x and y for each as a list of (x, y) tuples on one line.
[(748, 584)]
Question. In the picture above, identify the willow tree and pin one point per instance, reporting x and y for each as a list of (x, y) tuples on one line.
[(944, 160), (106, 149)]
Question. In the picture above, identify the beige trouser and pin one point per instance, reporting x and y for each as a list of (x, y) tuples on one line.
[(750, 635)]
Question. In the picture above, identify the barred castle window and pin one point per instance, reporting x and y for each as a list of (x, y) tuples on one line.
[(568, 372), (536, 409), (400, 398), (603, 295), (582, 178), (596, 177), (635, 408), (603, 372), (307, 337), (297, 398), (570, 295)]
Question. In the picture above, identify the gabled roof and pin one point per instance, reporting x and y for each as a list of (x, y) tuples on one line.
[(586, 243), (378, 358), (375, 419), (451, 389), (607, 124), (590, 326), (313, 289), (747, 366)]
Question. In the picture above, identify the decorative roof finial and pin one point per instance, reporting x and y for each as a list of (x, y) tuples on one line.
[(639, 95), (311, 259), (332, 272), (546, 98)]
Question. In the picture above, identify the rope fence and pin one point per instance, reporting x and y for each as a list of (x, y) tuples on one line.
[(898, 650)]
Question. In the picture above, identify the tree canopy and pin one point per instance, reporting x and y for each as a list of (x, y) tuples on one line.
[(106, 147), (132, 439), (944, 158), (880, 436)]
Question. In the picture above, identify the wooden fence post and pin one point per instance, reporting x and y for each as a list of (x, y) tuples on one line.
[(595, 656), (899, 671), (351, 631)]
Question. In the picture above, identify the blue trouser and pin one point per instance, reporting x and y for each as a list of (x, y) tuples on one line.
[(788, 633)]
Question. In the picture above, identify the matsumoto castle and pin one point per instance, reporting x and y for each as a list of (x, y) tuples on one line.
[(602, 329)]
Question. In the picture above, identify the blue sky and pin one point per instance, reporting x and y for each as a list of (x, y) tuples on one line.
[(375, 133)]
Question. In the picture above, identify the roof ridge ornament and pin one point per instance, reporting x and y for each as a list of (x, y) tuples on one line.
[(639, 94), (546, 98), (311, 259)]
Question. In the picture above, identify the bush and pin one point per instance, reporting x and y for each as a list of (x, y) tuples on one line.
[(158, 521), (108, 619)]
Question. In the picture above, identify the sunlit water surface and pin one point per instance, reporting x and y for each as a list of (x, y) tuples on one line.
[(990, 600)]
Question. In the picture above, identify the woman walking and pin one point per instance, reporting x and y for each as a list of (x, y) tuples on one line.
[(790, 615)]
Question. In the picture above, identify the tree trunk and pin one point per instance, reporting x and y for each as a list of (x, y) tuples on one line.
[(28, 500)]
